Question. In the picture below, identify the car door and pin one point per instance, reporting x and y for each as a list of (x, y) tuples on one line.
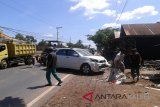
[(61, 58), (73, 59)]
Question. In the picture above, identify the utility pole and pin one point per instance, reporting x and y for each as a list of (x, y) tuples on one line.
[(57, 31)]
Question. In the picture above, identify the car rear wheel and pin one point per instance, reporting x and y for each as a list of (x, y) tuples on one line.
[(86, 69)]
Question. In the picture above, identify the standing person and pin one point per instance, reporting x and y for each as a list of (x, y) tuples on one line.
[(119, 60), (135, 61), (114, 56), (51, 67)]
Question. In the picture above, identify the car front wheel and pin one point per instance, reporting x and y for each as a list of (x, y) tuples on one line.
[(86, 69)]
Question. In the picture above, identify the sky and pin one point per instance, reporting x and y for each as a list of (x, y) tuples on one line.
[(77, 18)]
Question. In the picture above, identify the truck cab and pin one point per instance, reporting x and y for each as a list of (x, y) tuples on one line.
[(3, 55)]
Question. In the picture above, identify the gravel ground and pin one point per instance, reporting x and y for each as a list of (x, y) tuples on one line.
[(105, 94)]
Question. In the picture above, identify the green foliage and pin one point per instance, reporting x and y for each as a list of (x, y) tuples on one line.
[(42, 43), (103, 38), (28, 39), (70, 45), (20, 37), (78, 44)]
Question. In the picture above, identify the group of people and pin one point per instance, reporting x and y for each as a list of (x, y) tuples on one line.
[(135, 61)]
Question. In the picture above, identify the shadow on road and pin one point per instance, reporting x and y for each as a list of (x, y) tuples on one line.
[(74, 72), (71, 71), (36, 87), (77, 72), (12, 102)]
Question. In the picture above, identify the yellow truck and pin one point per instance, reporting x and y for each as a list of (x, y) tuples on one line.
[(14, 53)]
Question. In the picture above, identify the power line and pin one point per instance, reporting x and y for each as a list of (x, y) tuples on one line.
[(20, 11), (31, 16), (125, 4), (25, 33), (116, 20), (118, 7), (14, 1), (21, 31)]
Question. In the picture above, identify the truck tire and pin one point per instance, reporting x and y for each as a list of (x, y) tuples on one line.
[(4, 64), (33, 61), (29, 60), (25, 62)]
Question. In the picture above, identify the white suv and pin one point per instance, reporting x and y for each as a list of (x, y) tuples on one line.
[(80, 59)]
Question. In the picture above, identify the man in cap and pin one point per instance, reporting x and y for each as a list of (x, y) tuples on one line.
[(135, 61), (51, 67)]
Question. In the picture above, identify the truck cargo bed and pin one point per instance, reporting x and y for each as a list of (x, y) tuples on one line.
[(20, 49)]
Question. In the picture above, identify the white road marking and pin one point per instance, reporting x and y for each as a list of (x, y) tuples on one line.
[(44, 93)]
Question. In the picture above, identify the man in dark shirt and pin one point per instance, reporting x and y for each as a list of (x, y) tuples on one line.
[(51, 67), (135, 61)]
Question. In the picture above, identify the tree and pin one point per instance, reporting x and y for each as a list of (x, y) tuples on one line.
[(20, 37), (27, 38), (78, 44), (30, 39), (70, 45), (42, 43), (104, 42), (103, 38)]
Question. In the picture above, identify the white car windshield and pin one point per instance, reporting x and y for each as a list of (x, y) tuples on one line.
[(84, 52)]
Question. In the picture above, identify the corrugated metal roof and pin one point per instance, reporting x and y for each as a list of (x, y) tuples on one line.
[(142, 29)]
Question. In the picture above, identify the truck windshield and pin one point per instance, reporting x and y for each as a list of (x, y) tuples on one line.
[(2, 48)]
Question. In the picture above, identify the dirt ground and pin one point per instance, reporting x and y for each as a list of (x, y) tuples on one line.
[(104, 94)]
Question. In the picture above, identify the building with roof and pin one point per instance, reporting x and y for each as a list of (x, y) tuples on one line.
[(144, 37), (4, 36)]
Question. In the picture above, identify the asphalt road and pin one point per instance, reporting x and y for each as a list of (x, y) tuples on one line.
[(21, 86)]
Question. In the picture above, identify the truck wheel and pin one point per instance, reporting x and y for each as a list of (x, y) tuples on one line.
[(86, 69), (28, 61), (33, 61), (4, 64)]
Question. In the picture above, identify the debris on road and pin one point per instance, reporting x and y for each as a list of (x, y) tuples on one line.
[(74, 91)]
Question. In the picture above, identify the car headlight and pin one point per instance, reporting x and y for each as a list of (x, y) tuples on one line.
[(93, 60)]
